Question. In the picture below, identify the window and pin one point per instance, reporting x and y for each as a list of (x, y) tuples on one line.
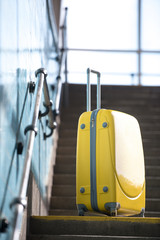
[(151, 25), (119, 38)]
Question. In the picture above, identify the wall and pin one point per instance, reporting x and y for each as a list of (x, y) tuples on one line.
[(26, 44)]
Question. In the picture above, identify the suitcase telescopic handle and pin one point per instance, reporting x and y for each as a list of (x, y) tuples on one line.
[(89, 89)]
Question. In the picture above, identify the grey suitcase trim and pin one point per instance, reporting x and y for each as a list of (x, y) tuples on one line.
[(93, 118), (89, 89)]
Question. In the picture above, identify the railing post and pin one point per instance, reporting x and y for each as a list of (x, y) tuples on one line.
[(139, 42), (66, 90)]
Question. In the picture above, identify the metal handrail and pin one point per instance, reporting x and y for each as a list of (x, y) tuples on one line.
[(18, 204), (49, 4), (61, 62)]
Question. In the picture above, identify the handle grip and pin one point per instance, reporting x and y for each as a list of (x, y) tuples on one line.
[(89, 89)]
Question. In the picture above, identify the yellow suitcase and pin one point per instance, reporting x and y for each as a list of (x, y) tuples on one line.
[(110, 175)]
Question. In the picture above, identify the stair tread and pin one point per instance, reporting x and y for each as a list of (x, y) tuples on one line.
[(95, 225), (86, 237)]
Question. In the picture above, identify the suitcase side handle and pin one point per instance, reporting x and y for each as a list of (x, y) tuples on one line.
[(89, 89)]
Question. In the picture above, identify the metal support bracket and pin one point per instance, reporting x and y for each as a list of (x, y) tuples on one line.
[(51, 131), (32, 86), (55, 113), (41, 70), (18, 200), (44, 113), (3, 225), (19, 148), (31, 128), (48, 135), (47, 109)]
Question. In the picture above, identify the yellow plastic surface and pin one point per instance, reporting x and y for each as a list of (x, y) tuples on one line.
[(119, 162), (129, 158), (83, 161)]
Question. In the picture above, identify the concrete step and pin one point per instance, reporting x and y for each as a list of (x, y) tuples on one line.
[(64, 179), (150, 143), (71, 169), (141, 112), (149, 132), (65, 168), (66, 212), (63, 202), (71, 159), (67, 141), (138, 110), (63, 212), (151, 152), (65, 133), (66, 159), (152, 192), (64, 190), (152, 160), (145, 109), (118, 89), (153, 181), (70, 179), (145, 119), (152, 214), (119, 104), (71, 150), (86, 237), (70, 141), (111, 93), (70, 190), (153, 204), (73, 117), (153, 171), (145, 125), (100, 226)]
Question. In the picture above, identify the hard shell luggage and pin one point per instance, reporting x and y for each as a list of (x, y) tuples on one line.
[(110, 175)]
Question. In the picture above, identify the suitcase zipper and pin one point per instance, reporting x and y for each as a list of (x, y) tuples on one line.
[(92, 122), (93, 160)]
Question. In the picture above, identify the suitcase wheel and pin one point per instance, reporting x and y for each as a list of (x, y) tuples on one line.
[(81, 212), (112, 208), (81, 209), (113, 214), (141, 214)]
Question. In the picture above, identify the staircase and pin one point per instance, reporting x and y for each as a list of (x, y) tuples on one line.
[(63, 222)]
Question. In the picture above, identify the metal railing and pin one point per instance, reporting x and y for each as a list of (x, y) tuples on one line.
[(62, 61), (18, 204)]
